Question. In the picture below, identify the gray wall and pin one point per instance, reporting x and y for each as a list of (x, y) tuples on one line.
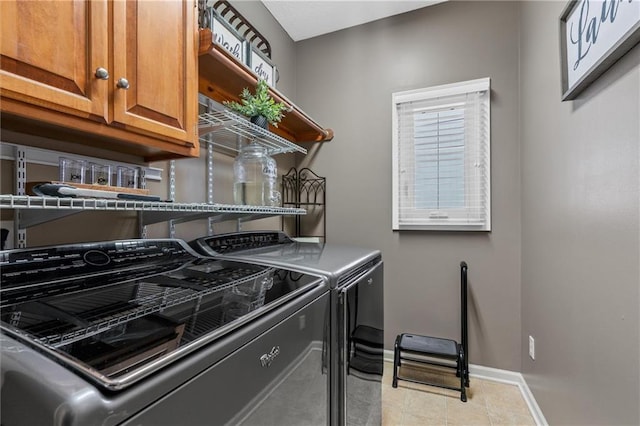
[(562, 261), (345, 81), (580, 236)]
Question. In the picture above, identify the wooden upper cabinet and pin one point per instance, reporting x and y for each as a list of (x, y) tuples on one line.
[(50, 50), (117, 74), (153, 45)]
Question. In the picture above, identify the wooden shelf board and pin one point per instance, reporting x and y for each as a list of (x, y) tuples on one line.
[(222, 78)]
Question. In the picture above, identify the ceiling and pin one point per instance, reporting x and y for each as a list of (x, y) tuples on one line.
[(303, 19)]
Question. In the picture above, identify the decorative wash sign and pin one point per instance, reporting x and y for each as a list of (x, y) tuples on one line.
[(226, 37), (594, 35)]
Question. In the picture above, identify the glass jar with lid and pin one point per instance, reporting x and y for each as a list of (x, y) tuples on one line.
[(255, 177), (274, 198)]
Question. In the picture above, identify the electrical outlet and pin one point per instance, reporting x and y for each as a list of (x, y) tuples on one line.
[(532, 348)]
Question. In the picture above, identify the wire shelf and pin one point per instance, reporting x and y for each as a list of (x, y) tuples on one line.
[(41, 209), (158, 300), (223, 127), (33, 202)]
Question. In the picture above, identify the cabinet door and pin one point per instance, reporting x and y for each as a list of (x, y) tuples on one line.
[(154, 50), (50, 51)]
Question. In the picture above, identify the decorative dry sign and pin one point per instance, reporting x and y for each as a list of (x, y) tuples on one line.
[(262, 67), (594, 34)]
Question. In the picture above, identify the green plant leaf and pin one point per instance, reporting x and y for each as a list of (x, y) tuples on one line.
[(260, 103)]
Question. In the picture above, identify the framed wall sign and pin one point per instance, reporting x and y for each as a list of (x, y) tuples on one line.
[(227, 37), (594, 34), (261, 66)]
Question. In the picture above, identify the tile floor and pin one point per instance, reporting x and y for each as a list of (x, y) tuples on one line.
[(488, 403)]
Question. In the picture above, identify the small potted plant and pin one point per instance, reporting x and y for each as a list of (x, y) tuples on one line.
[(261, 108)]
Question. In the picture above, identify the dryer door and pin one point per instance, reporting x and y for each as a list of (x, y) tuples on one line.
[(362, 344)]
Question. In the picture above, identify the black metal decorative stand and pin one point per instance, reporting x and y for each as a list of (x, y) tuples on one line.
[(305, 189), (239, 23)]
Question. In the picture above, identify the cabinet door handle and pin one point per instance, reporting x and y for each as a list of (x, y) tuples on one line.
[(123, 83), (102, 73)]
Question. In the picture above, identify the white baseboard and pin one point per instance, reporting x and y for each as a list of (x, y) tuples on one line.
[(503, 376)]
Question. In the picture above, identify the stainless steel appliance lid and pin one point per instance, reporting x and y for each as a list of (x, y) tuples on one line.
[(41, 271), (122, 310), (276, 248)]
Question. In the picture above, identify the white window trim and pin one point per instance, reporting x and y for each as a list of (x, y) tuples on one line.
[(435, 223)]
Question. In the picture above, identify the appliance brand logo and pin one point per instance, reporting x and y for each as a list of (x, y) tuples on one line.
[(267, 359)]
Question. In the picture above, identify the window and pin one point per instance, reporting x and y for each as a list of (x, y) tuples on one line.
[(441, 158)]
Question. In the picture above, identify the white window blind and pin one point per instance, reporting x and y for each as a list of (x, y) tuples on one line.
[(441, 158)]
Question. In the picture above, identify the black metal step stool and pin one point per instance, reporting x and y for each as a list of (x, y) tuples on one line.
[(429, 350)]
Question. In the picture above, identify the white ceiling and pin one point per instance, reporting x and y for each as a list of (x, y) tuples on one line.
[(303, 19)]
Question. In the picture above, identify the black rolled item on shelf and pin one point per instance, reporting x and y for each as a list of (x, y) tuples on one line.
[(62, 190), (437, 351)]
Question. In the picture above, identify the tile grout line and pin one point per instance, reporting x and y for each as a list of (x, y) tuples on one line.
[(446, 412), (486, 403)]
